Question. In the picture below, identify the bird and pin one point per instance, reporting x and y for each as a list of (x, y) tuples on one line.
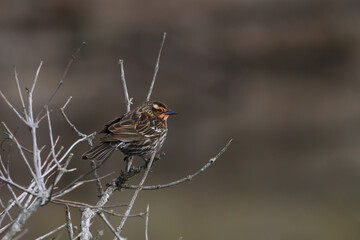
[(139, 132)]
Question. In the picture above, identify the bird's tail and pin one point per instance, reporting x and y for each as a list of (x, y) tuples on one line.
[(99, 152)]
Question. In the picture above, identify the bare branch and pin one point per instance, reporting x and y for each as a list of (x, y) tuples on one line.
[(85, 205), (20, 93), (51, 232), (89, 213), (17, 186), (128, 101), (112, 213), (73, 57), (98, 181), (89, 138), (34, 126), (102, 216), (36, 78), (13, 108), (21, 219), (127, 212), (52, 142), (76, 181), (5, 211), (13, 138), (185, 179), (25, 231), (61, 173), (156, 68), (147, 222), (69, 225), (3, 229)]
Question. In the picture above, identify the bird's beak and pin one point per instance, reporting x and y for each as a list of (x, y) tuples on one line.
[(170, 112)]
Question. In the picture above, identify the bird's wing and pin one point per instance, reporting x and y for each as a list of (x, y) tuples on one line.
[(133, 127)]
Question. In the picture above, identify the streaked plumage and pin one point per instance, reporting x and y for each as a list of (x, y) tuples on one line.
[(139, 132)]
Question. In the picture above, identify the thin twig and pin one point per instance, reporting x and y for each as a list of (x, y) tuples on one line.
[(33, 125), (112, 213), (128, 101), (185, 179), (51, 232), (73, 183), (147, 222), (61, 173), (98, 182), (89, 137), (4, 228), (5, 211), (127, 212), (14, 109), (25, 231), (21, 219), (52, 142), (13, 138), (50, 153), (84, 205), (20, 93), (73, 57), (102, 216), (17, 185), (69, 225), (156, 68), (36, 78)]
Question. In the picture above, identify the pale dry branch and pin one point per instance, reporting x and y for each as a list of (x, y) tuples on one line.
[(185, 179), (102, 216), (49, 155), (69, 225), (20, 94), (156, 68), (127, 212), (3, 229), (89, 138), (5, 212), (25, 231), (51, 232), (13, 138), (98, 182), (73, 57), (35, 80), (17, 186), (128, 101), (147, 222), (21, 219), (74, 182), (52, 142), (14, 109), (33, 126), (88, 214)]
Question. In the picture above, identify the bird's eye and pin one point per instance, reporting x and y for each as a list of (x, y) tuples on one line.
[(159, 110)]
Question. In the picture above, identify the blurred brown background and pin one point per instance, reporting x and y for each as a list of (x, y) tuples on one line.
[(280, 77)]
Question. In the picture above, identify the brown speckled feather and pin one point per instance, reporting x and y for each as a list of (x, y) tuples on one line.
[(139, 132)]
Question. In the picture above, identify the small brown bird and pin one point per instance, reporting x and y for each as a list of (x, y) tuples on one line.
[(139, 132)]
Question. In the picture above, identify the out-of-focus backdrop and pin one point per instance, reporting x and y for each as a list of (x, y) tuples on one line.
[(280, 77)]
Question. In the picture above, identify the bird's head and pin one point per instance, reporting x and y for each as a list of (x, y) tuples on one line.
[(159, 110)]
